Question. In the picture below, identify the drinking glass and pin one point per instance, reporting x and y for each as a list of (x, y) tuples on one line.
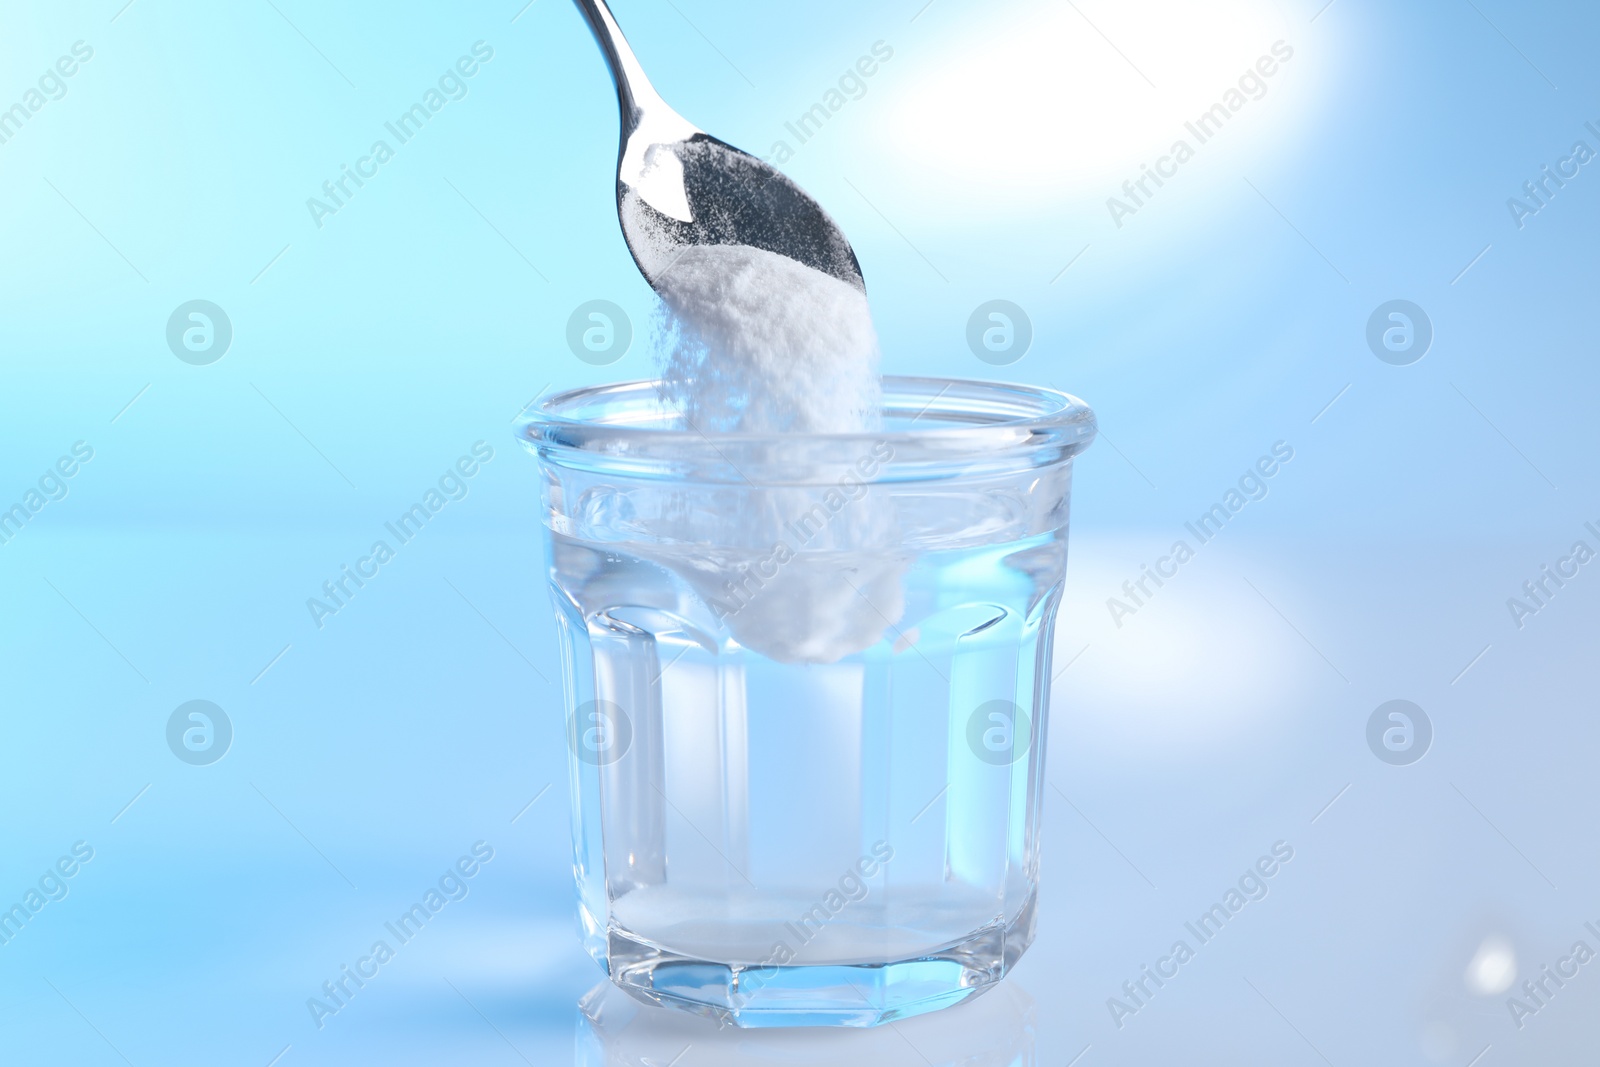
[(807, 690)]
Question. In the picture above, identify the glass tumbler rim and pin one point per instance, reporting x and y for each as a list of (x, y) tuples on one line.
[(934, 428)]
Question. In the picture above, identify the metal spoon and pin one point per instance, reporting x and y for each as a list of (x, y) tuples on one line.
[(678, 186)]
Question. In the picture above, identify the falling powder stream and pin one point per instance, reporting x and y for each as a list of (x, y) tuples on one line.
[(756, 342), (764, 344)]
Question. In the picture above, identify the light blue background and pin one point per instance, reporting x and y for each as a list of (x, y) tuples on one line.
[(370, 353)]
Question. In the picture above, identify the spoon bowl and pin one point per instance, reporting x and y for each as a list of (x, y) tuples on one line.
[(679, 187)]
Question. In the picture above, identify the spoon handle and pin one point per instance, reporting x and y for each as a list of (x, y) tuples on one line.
[(634, 92)]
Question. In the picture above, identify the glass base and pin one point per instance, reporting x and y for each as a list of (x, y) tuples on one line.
[(796, 994)]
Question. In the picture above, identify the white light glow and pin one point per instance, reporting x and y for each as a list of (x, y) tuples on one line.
[(1040, 102), (1493, 969), (1205, 663)]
